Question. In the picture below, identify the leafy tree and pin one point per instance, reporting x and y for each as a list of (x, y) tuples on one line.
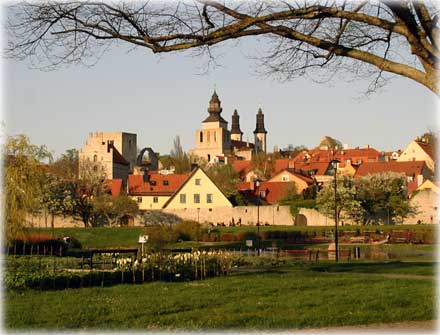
[(348, 207), (263, 165), (23, 180), (330, 142), (297, 201), (225, 178), (67, 165), (384, 198), (114, 210), (364, 39)]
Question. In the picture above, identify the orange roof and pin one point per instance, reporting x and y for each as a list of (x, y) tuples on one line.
[(281, 164), (114, 186), (273, 191), (411, 168), (155, 184), (412, 186), (242, 166), (241, 145), (320, 168), (428, 148)]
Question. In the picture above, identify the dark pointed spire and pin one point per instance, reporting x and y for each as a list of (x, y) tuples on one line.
[(214, 109), (235, 125), (259, 129)]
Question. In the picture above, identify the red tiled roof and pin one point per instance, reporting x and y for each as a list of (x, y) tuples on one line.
[(411, 168), (155, 184), (281, 164), (412, 186), (242, 166), (241, 145), (428, 148), (275, 191), (115, 187), (318, 155), (320, 167)]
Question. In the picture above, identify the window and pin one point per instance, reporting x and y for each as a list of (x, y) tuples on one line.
[(285, 178), (198, 181), (201, 137), (215, 136), (209, 157), (139, 200), (207, 137), (165, 183), (197, 198), (209, 198), (95, 158), (183, 198), (155, 200)]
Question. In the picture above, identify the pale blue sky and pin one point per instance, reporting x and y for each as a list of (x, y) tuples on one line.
[(159, 97)]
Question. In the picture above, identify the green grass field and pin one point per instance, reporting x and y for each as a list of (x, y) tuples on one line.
[(128, 236), (286, 297)]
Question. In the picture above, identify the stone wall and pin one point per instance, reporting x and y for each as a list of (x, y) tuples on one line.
[(273, 215), (42, 221)]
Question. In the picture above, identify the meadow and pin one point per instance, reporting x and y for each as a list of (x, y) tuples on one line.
[(287, 296)]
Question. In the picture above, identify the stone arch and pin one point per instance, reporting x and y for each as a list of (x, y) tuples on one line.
[(151, 156), (301, 220)]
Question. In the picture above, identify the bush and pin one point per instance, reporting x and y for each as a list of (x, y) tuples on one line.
[(188, 231), (227, 237), (159, 236)]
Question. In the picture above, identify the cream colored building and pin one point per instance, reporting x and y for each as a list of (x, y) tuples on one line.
[(214, 139), (198, 191), (419, 150), (116, 152), (286, 176)]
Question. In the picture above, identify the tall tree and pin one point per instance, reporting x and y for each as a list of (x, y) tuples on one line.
[(23, 179), (360, 38), (179, 158), (225, 178)]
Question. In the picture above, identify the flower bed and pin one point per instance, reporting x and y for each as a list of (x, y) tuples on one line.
[(22, 272)]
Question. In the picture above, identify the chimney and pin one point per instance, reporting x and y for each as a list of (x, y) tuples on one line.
[(367, 146), (345, 146)]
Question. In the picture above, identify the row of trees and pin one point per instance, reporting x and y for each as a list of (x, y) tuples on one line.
[(373, 199), (35, 184)]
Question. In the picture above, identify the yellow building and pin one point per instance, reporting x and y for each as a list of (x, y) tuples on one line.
[(176, 191), (286, 176), (153, 190), (198, 191), (419, 150)]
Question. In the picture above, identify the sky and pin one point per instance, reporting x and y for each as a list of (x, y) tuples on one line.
[(161, 96)]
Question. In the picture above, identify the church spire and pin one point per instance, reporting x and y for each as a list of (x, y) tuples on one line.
[(236, 133), (259, 129), (215, 109)]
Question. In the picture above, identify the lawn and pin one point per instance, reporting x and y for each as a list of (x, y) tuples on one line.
[(286, 297), (128, 236)]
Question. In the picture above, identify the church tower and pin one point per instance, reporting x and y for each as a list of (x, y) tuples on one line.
[(260, 133), (214, 139), (236, 133)]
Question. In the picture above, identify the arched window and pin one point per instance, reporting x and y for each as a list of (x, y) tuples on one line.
[(95, 158), (201, 136)]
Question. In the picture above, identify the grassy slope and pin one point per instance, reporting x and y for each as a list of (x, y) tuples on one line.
[(289, 297)]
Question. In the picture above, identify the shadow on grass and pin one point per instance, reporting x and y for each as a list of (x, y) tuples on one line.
[(419, 268)]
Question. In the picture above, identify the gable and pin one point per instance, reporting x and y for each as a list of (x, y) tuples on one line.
[(204, 187)]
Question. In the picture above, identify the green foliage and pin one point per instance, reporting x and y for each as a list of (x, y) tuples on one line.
[(373, 199), (179, 158), (297, 201), (330, 142), (157, 217), (23, 181), (225, 178), (262, 165), (114, 210), (188, 231), (66, 167)]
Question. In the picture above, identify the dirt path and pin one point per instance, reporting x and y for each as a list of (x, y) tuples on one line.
[(418, 327)]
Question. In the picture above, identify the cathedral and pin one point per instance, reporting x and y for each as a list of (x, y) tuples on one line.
[(215, 142)]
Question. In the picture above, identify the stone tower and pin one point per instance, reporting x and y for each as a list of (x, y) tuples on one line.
[(236, 133), (214, 139), (260, 133)]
